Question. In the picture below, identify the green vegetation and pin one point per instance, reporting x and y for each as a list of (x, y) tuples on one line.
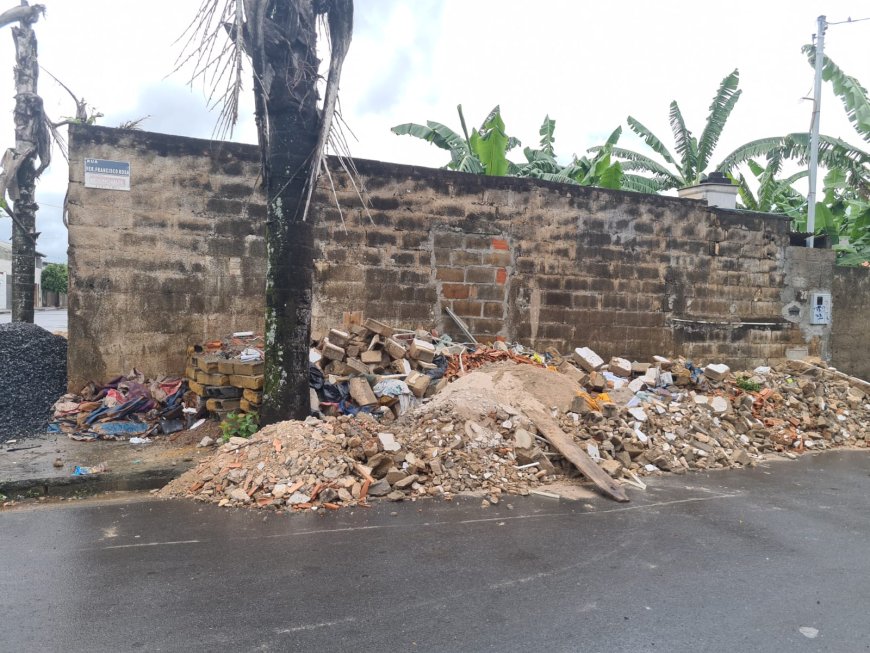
[(747, 384), (55, 277), (238, 425), (484, 152), (688, 168), (842, 213)]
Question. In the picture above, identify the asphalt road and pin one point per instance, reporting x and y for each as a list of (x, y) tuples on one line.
[(733, 561), (50, 319)]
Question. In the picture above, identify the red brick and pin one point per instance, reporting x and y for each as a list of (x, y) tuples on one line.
[(454, 291), (493, 309), (500, 243), (501, 276)]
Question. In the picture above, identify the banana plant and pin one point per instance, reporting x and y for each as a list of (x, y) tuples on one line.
[(693, 155), (773, 195), (600, 170), (853, 96), (483, 152)]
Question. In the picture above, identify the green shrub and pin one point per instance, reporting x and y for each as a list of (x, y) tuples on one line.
[(239, 425), (747, 384)]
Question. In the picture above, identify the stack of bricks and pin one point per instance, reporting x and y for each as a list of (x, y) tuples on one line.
[(225, 384), (374, 348)]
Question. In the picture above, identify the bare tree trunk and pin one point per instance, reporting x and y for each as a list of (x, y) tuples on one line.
[(285, 69), (20, 167)]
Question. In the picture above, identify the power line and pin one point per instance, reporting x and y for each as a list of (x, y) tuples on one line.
[(850, 20)]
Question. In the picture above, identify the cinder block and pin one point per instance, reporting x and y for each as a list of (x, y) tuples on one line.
[(248, 368), (222, 404), (243, 381)]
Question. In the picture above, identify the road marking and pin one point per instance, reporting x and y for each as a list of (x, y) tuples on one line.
[(131, 546), (322, 624)]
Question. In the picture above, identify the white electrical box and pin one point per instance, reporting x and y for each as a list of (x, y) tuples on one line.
[(820, 308)]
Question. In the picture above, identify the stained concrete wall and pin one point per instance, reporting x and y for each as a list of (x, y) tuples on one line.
[(850, 340), (180, 258)]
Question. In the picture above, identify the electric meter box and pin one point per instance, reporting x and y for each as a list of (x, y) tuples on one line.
[(820, 308)]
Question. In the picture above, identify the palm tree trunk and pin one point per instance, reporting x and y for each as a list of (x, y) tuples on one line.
[(28, 118), (288, 121)]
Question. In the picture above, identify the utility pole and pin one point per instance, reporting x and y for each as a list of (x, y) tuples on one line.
[(814, 131)]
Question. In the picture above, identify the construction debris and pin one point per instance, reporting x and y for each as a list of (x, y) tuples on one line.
[(512, 420)]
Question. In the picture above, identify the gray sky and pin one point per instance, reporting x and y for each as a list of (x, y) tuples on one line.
[(588, 65)]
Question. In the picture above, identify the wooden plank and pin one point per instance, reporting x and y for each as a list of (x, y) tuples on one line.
[(855, 382), (565, 445)]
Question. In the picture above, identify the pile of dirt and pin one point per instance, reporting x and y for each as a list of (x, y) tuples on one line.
[(32, 375)]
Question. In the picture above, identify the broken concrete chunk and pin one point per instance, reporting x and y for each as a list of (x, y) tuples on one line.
[(380, 488), (388, 441), (298, 497), (238, 494), (394, 348), (361, 392), (639, 368), (588, 359), (332, 351), (421, 350), (719, 405), (338, 338), (378, 327), (638, 413), (371, 357), (620, 367), (523, 439), (636, 385), (357, 366), (597, 382), (662, 362), (418, 383), (716, 371)]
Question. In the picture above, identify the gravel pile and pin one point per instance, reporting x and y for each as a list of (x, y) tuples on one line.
[(32, 376)]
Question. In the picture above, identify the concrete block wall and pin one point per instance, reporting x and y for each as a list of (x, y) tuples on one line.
[(180, 258), (850, 338)]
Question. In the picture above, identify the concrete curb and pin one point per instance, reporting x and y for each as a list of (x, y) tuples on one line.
[(65, 486)]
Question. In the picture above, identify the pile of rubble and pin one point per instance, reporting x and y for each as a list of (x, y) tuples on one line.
[(497, 430), (345, 460)]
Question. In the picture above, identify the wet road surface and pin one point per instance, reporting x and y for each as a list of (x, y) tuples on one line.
[(769, 559)]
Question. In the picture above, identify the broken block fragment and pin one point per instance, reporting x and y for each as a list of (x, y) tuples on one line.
[(588, 359), (394, 348), (418, 383), (378, 327), (716, 371), (620, 367), (332, 352), (421, 350), (361, 392)]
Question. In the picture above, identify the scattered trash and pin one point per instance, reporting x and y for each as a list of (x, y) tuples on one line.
[(140, 440), (809, 632), (88, 471)]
